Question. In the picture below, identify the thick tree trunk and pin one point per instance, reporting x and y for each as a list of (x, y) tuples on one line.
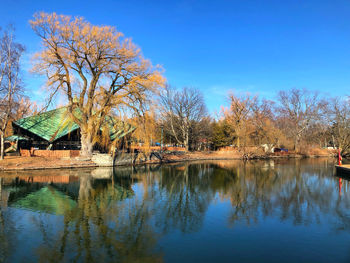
[(295, 144), (2, 150), (86, 144), (187, 146)]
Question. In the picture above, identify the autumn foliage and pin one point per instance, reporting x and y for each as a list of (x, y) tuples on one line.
[(95, 67)]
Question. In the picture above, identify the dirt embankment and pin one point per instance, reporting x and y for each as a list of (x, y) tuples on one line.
[(239, 155), (30, 163)]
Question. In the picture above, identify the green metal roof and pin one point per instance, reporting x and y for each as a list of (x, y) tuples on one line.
[(118, 129), (54, 124), (50, 125)]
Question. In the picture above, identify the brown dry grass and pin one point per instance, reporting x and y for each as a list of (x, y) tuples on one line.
[(20, 163), (315, 151)]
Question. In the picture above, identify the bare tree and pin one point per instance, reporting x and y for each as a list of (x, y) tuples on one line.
[(11, 86), (265, 130), (299, 108), (239, 115), (339, 117), (95, 67), (182, 110)]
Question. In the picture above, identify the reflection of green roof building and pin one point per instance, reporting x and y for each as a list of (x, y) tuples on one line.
[(61, 198), (57, 129), (47, 200)]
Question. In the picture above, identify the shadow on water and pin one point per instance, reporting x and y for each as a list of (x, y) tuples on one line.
[(121, 215)]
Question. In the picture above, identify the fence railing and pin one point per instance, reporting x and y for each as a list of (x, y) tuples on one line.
[(49, 153)]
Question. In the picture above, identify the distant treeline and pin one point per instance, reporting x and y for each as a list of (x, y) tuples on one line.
[(298, 119)]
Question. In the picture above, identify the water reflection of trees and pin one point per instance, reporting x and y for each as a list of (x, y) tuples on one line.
[(100, 229), (301, 191), (114, 222), (8, 235), (183, 197)]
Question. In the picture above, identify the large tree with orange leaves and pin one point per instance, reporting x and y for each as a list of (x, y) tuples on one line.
[(95, 67)]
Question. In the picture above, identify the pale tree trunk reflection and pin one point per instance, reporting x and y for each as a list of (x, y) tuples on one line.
[(98, 229)]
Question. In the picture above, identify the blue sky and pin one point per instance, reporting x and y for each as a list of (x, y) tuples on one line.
[(218, 46)]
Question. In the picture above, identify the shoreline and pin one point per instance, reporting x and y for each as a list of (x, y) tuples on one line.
[(45, 163)]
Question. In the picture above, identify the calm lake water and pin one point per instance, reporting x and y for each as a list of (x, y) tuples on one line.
[(219, 211)]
